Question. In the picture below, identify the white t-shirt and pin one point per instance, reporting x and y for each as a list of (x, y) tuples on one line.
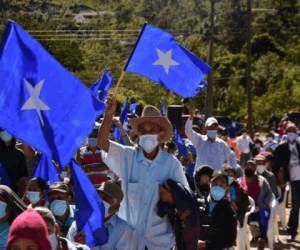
[(243, 144), (294, 165)]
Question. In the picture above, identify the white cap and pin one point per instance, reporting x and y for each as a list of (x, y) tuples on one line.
[(210, 121)]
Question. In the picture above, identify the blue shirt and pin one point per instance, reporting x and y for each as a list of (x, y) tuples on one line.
[(214, 154), (140, 183), (232, 193), (211, 206), (121, 235), (64, 227), (4, 231)]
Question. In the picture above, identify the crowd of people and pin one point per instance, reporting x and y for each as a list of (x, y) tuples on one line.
[(154, 197)]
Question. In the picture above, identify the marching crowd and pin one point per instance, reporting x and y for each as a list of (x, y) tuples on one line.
[(154, 197)]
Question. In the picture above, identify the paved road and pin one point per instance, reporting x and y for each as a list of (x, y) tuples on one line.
[(283, 243)]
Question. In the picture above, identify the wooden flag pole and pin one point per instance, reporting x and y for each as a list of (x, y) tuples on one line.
[(128, 60), (119, 82), (192, 107)]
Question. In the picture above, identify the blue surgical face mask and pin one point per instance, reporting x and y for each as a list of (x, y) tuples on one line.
[(230, 180), (33, 197), (58, 207), (92, 142), (63, 174), (292, 136), (3, 206), (217, 193), (212, 134), (5, 136)]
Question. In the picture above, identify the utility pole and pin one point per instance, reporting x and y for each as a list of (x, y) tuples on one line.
[(248, 67), (209, 102)]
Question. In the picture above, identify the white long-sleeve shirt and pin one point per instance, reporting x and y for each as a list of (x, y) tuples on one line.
[(141, 179), (214, 154)]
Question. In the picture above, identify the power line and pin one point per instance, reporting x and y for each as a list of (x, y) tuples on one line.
[(86, 35), (70, 30), (84, 39), (136, 76), (106, 34)]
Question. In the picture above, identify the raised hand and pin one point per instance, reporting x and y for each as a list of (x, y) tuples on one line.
[(111, 105)]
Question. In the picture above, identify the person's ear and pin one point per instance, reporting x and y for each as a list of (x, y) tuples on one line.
[(160, 136), (70, 199), (114, 206), (42, 194)]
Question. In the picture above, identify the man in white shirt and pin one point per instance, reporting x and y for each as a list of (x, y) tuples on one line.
[(243, 145), (210, 149), (142, 170)]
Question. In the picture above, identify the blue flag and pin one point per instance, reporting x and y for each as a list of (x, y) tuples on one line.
[(182, 150), (202, 86), (133, 107), (163, 111), (159, 57), (46, 170), (4, 179), (41, 103), (118, 135), (124, 122), (102, 86), (89, 213), (124, 111)]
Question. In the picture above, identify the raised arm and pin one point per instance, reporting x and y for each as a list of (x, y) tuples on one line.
[(104, 130), (190, 133)]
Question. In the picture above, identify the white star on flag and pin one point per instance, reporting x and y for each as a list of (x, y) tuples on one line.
[(202, 85), (34, 102), (165, 60)]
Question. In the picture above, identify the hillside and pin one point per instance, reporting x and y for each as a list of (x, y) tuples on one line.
[(88, 36)]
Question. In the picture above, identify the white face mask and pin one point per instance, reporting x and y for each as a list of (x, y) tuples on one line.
[(260, 169), (148, 142), (53, 241)]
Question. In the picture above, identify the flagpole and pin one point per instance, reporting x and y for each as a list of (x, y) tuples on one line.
[(128, 60), (135, 45), (119, 81)]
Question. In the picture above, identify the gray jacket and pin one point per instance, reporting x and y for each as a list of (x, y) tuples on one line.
[(270, 177), (265, 196)]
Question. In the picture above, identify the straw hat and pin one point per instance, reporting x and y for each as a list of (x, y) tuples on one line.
[(113, 189), (152, 115)]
